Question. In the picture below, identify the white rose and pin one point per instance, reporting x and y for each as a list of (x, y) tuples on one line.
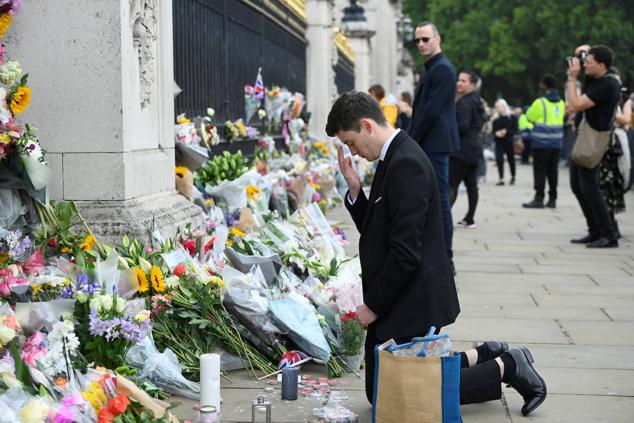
[(6, 335), (106, 303), (82, 297), (95, 303), (261, 113), (211, 112), (120, 307)]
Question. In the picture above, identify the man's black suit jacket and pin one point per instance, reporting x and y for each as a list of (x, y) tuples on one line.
[(434, 125), (407, 280)]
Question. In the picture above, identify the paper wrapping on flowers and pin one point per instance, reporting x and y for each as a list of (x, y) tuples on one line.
[(297, 317), (347, 287), (312, 219), (186, 133), (38, 316), (162, 369), (269, 266), (233, 192), (246, 299), (251, 104), (37, 170)]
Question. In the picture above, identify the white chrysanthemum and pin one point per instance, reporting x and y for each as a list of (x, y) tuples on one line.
[(10, 72)]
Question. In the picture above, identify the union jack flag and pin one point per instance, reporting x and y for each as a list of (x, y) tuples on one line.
[(291, 357), (259, 86)]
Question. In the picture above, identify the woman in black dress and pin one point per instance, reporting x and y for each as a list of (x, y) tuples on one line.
[(504, 129)]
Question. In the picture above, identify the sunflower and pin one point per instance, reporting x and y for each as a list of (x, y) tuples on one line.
[(156, 276), (141, 277), (20, 100), (236, 232), (181, 171), (88, 243), (5, 23)]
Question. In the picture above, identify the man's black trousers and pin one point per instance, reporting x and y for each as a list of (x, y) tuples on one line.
[(585, 185), (477, 384), (545, 164)]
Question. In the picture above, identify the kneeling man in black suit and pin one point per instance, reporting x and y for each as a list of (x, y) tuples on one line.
[(408, 285)]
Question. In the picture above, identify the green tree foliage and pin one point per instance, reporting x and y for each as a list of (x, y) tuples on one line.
[(512, 43)]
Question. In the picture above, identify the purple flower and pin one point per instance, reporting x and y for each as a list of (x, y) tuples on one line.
[(251, 132), (84, 285), (67, 292), (115, 328)]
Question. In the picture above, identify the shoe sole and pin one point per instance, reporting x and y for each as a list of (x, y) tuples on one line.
[(530, 359)]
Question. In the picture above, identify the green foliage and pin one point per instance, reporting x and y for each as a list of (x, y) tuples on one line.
[(512, 43)]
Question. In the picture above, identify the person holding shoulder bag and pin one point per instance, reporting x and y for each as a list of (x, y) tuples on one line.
[(598, 105)]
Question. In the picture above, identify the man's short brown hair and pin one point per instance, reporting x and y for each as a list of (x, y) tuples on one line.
[(348, 111)]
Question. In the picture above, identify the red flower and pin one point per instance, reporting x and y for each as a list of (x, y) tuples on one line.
[(52, 242), (348, 316), (179, 270), (118, 404), (209, 245), (105, 415), (190, 246)]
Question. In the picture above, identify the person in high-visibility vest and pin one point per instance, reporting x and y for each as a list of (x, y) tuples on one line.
[(388, 105), (547, 138), (525, 128)]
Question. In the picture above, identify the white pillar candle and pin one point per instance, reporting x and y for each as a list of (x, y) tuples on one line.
[(210, 380)]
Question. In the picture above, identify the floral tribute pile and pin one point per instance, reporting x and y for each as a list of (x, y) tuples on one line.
[(95, 331), (23, 168)]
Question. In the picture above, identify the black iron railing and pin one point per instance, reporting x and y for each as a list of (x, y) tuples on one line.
[(219, 46)]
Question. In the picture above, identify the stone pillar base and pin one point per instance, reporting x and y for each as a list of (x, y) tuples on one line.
[(110, 220)]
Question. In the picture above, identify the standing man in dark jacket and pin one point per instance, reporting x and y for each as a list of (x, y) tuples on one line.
[(464, 163), (547, 116), (433, 124), (407, 281)]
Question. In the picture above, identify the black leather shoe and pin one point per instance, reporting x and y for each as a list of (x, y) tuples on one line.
[(603, 242), (496, 348), (499, 184), (552, 203), (584, 240), (526, 381), (534, 204), (512, 181)]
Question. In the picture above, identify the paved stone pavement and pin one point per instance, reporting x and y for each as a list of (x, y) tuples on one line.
[(520, 280)]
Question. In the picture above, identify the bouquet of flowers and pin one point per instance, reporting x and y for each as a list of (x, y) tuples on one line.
[(352, 336), (209, 131), (107, 326), (186, 131), (225, 167)]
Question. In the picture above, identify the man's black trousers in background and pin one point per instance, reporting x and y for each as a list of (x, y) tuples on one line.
[(545, 164), (477, 384), (460, 171), (585, 185)]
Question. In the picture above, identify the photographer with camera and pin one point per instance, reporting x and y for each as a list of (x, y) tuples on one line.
[(598, 104)]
